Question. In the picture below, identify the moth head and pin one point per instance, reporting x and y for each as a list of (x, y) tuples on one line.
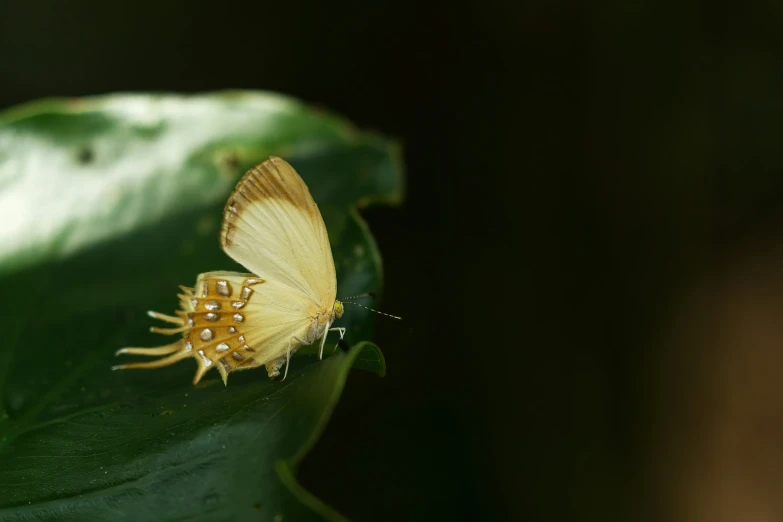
[(338, 309)]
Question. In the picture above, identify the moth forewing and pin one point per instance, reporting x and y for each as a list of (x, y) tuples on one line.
[(272, 226)]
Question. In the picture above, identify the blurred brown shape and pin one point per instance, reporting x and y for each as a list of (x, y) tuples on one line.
[(720, 409)]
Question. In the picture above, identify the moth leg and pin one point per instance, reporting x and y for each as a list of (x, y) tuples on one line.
[(288, 354), (321, 348), (323, 339), (342, 334)]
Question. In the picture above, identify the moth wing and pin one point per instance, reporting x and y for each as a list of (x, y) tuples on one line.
[(238, 321), (278, 318), (272, 226)]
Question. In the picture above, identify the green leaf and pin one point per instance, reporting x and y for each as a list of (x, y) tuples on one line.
[(106, 206)]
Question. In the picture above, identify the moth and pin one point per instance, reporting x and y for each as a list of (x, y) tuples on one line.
[(237, 321)]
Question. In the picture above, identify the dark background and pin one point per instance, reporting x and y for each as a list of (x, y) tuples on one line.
[(587, 260)]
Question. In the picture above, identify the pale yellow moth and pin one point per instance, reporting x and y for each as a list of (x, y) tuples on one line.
[(237, 321)]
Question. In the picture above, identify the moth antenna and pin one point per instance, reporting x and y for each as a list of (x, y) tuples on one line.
[(366, 294), (373, 310)]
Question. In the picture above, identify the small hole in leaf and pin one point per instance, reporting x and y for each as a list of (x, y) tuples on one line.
[(211, 500), (228, 163), (85, 156)]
